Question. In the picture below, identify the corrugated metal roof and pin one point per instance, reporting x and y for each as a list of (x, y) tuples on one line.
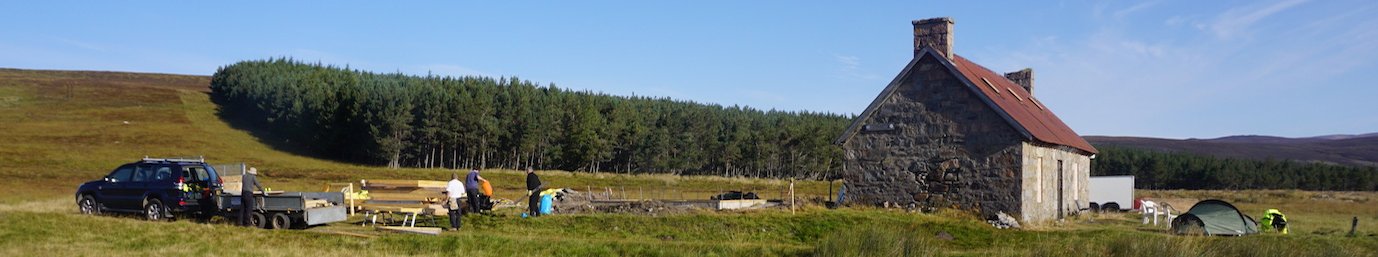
[(1024, 112), (1023, 108)]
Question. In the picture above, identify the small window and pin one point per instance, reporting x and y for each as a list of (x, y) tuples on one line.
[(162, 174), (143, 173), (214, 175), (195, 173), (121, 174), (1035, 102)]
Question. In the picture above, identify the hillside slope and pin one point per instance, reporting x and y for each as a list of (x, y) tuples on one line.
[(1352, 150), (61, 128)]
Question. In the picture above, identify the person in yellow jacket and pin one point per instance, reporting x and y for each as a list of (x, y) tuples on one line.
[(1273, 220)]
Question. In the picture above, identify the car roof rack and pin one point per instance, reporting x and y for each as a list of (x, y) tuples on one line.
[(175, 159)]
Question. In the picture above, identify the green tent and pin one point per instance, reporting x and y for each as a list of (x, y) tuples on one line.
[(1214, 217)]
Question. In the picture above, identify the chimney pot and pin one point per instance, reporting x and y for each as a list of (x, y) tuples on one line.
[(1024, 77), (935, 33)]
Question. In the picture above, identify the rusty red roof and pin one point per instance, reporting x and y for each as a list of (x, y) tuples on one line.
[(1030, 114)]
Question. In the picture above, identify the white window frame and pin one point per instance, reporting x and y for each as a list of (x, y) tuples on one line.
[(1038, 181), (1076, 191)]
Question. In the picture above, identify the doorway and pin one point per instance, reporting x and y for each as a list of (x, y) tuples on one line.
[(1059, 190)]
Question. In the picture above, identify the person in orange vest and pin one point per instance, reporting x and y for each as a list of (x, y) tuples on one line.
[(486, 194)]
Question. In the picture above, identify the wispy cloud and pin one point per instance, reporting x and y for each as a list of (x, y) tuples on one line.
[(1238, 21), (82, 44), (851, 68), (1122, 13), (1221, 75)]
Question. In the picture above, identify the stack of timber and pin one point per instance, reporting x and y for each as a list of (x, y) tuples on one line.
[(234, 185), (406, 196)]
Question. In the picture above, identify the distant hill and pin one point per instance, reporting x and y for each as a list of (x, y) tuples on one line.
[(1353, 150)]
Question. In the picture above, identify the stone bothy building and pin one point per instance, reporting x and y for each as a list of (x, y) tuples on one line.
[(949, 133)]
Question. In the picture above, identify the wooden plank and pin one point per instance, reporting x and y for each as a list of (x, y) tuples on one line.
[(394, 209), (396, 203), (426, 196), (393, 183), (231, 183), (390, 183), (343, 233), (406, 198), (407, 190), (313, 203), (432, 183), (740, 204), (412, 230)]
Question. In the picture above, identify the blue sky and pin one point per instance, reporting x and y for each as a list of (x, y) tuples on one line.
[(1178, 69)]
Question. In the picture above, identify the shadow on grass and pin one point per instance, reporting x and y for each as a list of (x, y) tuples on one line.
[(275, 136)]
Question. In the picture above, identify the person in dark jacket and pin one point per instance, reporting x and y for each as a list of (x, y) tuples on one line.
[(471, 188), (533, 191), (246, 196)]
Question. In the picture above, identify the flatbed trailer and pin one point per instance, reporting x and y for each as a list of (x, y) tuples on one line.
[(283, 210)]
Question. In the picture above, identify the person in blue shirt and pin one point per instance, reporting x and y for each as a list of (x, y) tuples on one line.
[(471, 187)]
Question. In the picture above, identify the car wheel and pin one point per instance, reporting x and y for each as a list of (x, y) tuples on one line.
[(154, 210), (258, 220), (282, 221), (88, 205)]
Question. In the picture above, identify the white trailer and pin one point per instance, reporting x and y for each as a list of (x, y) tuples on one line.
[(1111, 193)]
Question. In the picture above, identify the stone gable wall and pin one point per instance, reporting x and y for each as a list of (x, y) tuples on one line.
[(1041, 181), (948, 149)]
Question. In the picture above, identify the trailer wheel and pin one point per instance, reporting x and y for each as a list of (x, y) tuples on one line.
[(282, 221), (258, 220)]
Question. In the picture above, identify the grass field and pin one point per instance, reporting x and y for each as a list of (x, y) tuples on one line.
[(58, 129)]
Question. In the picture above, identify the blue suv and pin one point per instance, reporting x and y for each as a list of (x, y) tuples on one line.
[(157, 188)]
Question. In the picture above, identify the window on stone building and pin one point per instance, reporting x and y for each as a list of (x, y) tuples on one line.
[(1038, 181), (1076, 191)]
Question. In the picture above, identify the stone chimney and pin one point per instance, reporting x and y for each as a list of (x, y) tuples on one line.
[(935, 33), (1022, 77)]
